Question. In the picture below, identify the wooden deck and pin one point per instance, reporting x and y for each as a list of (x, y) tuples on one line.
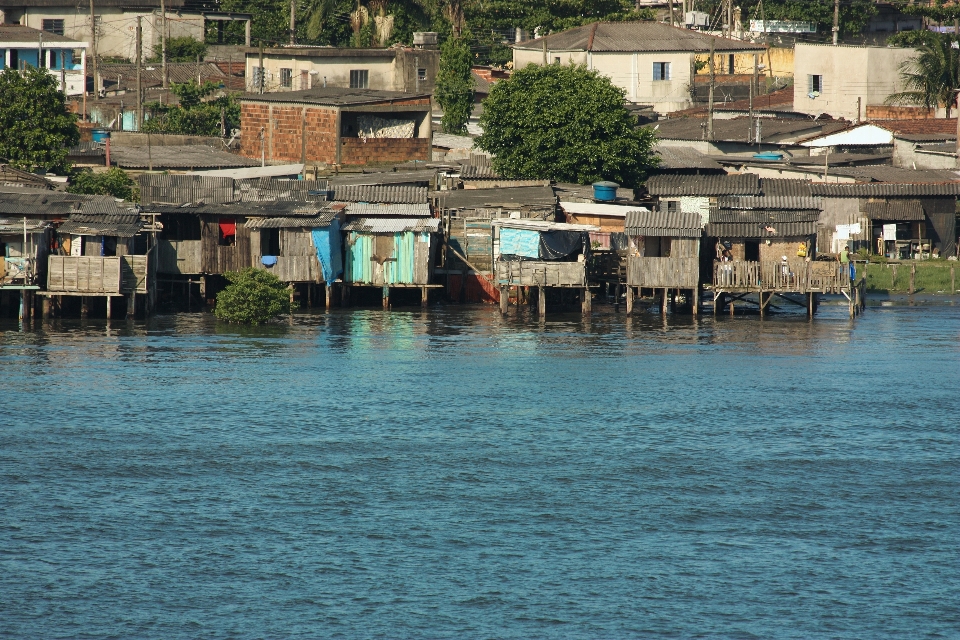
[(775, 277), (98, 276)]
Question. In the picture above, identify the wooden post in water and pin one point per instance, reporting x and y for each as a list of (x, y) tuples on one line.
[(731, 307), (663, 302), (629, 300), (587, 302), (84, 309), (696, 301), (45, 307), (504, 300), (328, 295), (424, 297), (109, 299), (953, 280), (386, 297), (913, 278), (761, 305), (542, 302)]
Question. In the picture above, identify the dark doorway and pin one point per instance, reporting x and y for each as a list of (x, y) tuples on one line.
[(751, 251)]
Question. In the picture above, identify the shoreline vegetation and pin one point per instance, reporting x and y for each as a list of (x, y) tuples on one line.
[(932, 276)]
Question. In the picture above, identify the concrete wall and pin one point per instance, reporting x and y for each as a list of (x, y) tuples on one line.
[(906, 156), (117, 33), (849, 72), (387, 69)]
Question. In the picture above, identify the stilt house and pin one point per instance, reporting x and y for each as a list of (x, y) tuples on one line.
[(663, 253)]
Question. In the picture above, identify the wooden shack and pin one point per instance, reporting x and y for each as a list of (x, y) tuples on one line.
[(765, 246), (541, 254), (664, 255), (104, 255), (23, 250)]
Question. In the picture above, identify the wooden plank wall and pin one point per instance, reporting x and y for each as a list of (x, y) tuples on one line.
[(179, 256), (681, 273), (83, 274), (217, 260), (533, 273)]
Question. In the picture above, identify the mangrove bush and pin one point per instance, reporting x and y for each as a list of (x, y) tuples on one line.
[(252, 297)]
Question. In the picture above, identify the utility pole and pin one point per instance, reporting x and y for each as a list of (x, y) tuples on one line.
[(163, 44), (836, 21), (713, 78), (139, 73), (293, 21), (262, 72), (93, 45), (753, 84), (672, 16)]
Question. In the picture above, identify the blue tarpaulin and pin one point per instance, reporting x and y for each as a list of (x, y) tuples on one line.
[(524, 243), (327, 242)]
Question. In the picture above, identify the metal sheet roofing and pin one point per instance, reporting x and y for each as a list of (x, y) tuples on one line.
[(123, 225), (742, 129), (478, 172), (17, 225), (187, 156), (393, 225), (746, 184), (412, 177), (680, 158), (672, 224), (367, 210), (510, 198), (637, 36), (904, 210), (181, 189), (272, 190), (335, 97), (785, 187), (770, 202), (322, 220), (542, 225), (885, 190), (597, 209), (53, 204), (387, 194), (256, 172), (725, 223)]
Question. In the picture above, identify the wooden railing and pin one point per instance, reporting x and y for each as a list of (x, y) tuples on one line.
[(791, 277), (100, 274), (535, 273)]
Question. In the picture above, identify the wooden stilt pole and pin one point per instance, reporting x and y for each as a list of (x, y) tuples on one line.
[(424, 297), (131, 306), (109, 299), (761, 305), (629, 299), (84, 309), (810, 305), (328, 295), (386, 297), (45, 307), (504, 300), (587, 302), (542, 302)]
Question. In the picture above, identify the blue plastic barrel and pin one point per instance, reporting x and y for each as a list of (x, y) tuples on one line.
[(100, 135), (605, 190)]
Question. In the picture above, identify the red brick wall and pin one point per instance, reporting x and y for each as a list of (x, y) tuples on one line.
[(284, 132), (356, 151), (884, 112)]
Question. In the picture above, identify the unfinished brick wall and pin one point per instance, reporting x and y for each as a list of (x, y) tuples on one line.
[(285, 138), (375, 150), (884, 112)]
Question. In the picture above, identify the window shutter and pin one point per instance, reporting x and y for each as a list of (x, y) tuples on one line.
[(810, 83), (666, 70)]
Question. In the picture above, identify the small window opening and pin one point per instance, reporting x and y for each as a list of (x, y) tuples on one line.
[(227, 232), (359, 79), (661, 70), (270, 242), (286, 78), (53, 25), (421, 74)]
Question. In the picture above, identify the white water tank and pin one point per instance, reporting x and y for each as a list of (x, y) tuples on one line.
[(697, 19)]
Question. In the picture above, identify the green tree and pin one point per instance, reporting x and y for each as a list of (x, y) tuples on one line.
[(196, 114), (454, 92), (854, 14), (252, 297), (113, 182), (185, 49), (932, 77), (564, 123), (36, 130)]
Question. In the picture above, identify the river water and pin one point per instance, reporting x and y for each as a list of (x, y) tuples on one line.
[(452, 473)]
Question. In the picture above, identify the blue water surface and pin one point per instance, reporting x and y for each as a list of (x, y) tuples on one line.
[(452, 473)]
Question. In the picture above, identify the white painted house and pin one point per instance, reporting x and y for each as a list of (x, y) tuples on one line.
[(652, 62)]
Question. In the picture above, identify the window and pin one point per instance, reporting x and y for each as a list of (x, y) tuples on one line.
[(359, 79), (53, 26), (421, 74), (673, 206), (270, 242), (286, 78), (556, 60), (661, 70), (228, 232), (815, 85), (731, 69)]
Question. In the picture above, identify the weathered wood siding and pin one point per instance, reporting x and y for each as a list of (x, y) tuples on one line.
[(297, 261), (134, 273), (797, 277), (83, 274), (533, 273), (215, 259), (681, 273), (179, 256), (408, 259)]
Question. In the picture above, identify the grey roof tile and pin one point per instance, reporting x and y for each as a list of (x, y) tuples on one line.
[(179, 189), (393, 225), (177, 157), (322, 220), (390, 194), (672, 224), (746, 184), (905, 210), (637, 36), (769, 202), (367, 210), (334, 96), (885, 190)]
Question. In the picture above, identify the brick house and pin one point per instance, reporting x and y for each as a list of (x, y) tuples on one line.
[(336, 126)]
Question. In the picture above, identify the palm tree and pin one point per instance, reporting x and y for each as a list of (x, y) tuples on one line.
[(932, 77)]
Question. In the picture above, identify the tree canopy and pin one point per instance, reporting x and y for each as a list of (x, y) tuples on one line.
[(932, 77), (252, 297), (36, 130), (196, 114), (454, 91), (854, 14), (564, 123), (185, 49), (113, 182)]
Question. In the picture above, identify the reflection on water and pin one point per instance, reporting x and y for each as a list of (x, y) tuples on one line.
[(453, 472)]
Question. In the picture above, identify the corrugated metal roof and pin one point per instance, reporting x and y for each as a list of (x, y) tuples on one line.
[(726, 223), (365, 209), (16, 225), (123, 225), (785, 187), (186, 156), (272, 189), (475, 172), (886, 173), (746, 184), (663, 224), (769, 202), (323, 220), (509, 198), (179, 189), (87, 150), (411, 177), (393, 225), (741, 129), (597, 209), (636, 36), (52, 204), (905, 210), (885, 189), (388, 194), (334, 96), (679, 158)]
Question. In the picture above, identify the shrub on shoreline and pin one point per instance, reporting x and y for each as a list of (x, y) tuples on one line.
[(252, 297)]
